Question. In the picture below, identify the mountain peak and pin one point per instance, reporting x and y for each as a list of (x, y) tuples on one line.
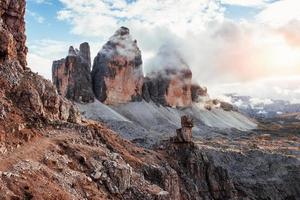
[(122, 31)]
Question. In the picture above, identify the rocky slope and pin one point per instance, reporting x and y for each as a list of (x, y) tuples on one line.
[(48, 152), (72, 76), (117, 70)]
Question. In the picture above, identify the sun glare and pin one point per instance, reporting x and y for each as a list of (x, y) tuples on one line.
[(280, 56), (283, 56)]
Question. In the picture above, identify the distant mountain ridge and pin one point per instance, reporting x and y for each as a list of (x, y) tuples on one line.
[(263, 108)]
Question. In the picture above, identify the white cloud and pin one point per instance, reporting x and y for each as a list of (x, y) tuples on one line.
[(40, 19), (247, 3), (101, 18), (219, 51), (43, 52), (42, 1), (291, 32), (39, 64), (48, 48), (286, 88), (280, 13)]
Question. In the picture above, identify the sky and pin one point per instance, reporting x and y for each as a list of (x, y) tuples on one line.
[(249, 47)]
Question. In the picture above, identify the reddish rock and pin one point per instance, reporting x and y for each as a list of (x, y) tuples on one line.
[(72, 77), (117, 71), (24, 95), (12, 28), (37, 98), (170, 82)]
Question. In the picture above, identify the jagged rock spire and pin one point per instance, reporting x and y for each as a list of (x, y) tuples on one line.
[(72, 75), (117, 70)]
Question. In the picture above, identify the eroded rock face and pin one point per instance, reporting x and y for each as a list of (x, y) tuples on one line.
[(117, 70), (72, 77), (200, 177), (12, 28), (169, 82), (25, 95), (38, 98)]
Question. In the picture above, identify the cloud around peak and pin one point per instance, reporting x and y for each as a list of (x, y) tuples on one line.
[(218, 50)]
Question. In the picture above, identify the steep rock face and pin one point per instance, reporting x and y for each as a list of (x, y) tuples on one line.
[(37, 98), (117, 70), (72, 77), (12, 28), (24, 96), (169, 81)]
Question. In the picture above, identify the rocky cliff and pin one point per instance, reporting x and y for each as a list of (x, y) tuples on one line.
[(169, 81), (117, 75), (117, 70), (24, 93), (72, 75), (12, 27), (169, 88)]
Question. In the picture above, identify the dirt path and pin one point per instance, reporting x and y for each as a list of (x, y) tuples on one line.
[(32, 150)]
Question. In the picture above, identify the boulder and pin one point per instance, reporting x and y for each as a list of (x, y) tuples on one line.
[(227, 106), (117, 70), (118, 176), (72, 75)]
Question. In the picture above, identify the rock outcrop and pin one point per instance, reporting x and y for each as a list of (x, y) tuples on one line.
[(72, 75), (12, 28), (198, 93), (184, 134), (117, 70), (117, 75), (170, 80), (200, 177), (37, 98), (169, 88), (21, 91)]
